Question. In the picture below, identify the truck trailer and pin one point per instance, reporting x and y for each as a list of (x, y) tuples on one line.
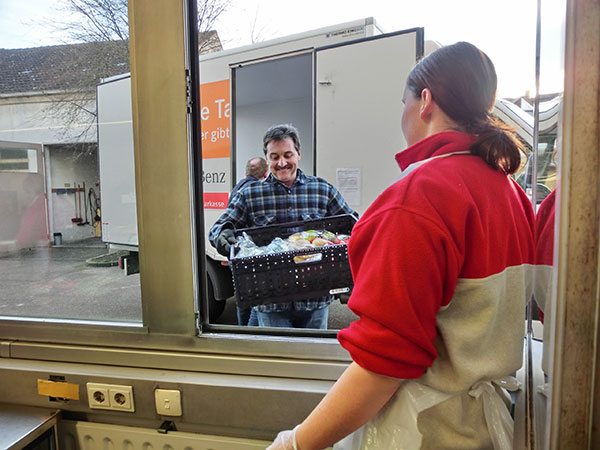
[(340, 86)]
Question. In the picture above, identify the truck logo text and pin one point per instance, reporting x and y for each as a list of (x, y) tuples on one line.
[(213, 177)]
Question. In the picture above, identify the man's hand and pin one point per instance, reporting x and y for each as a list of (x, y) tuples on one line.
[(224, 241)]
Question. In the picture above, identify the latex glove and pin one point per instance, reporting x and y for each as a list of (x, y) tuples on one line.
[(224, 241), (285, 440)]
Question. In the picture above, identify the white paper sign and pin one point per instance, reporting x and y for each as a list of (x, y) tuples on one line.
[(348, 183)]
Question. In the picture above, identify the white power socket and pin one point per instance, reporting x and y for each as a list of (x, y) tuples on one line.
[(98, 395), (121, 397), (110, 396)]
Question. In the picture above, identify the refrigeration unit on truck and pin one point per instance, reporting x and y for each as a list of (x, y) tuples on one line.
[(340, 86)]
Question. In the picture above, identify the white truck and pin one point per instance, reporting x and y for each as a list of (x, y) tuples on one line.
[(341, 86)]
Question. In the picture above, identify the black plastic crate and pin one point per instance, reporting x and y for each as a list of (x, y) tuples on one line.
[(277, 278)]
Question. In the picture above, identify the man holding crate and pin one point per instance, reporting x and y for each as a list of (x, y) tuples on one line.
[(286, 195)]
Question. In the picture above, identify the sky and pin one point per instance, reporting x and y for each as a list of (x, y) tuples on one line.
[(505, 30)]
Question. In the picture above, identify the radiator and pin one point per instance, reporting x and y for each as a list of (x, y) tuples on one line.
[(73, 435)]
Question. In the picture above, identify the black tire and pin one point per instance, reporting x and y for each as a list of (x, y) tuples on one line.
[(215, 307)]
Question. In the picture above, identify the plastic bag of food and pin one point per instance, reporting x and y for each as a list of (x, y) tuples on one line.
[(297, 241), (246, 247), (301, 243), (327, 235), (307, 235), (311, 235), (279, 245), (321, 242)]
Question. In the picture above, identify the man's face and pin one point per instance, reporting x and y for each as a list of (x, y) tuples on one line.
[(283, 159)]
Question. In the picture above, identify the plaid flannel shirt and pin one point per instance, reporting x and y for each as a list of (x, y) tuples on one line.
[(269, 201)]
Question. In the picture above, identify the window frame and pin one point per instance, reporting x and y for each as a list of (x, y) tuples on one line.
[(163, 65)]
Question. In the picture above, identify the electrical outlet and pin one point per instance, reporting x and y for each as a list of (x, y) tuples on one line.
[(110, 396), (121, 398), (98, 396)]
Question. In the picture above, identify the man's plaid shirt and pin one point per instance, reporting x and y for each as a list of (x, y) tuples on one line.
[(269, 201)]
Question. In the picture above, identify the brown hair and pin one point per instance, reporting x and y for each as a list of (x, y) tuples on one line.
[(279, 133), (462, 81)]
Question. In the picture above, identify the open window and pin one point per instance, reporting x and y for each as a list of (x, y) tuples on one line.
[(332, 94)]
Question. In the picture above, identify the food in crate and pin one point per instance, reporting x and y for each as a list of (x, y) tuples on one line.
[(283, 262), (318, 238), (297, 241)]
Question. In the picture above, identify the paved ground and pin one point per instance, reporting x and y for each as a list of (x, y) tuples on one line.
[(56, 282)]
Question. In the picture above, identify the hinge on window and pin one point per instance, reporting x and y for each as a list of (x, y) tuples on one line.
[(188, 90)]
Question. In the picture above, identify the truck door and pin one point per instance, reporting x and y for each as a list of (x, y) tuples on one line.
[(116, 163), (22, 197), (358, 107)]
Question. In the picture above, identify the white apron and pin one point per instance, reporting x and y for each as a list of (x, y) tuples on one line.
[(395, 426)]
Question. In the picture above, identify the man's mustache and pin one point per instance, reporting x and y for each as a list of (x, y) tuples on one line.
[(287, 167)]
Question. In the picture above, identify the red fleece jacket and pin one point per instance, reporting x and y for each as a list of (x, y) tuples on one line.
[(450, 218)]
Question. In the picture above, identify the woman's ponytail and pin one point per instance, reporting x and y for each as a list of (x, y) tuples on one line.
[(497, 145)]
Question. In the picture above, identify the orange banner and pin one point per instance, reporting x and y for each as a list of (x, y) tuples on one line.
[(214, 114)]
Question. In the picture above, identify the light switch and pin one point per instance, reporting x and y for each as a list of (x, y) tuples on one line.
[(168, 402)]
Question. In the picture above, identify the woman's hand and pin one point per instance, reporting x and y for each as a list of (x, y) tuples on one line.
[(285, 440)]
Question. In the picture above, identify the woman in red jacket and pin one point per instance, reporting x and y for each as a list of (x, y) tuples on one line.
[(442, 264)]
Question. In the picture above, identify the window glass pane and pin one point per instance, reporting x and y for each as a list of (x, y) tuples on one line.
[(68, 231), (244, 91), (72, 141), (551, 89)]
